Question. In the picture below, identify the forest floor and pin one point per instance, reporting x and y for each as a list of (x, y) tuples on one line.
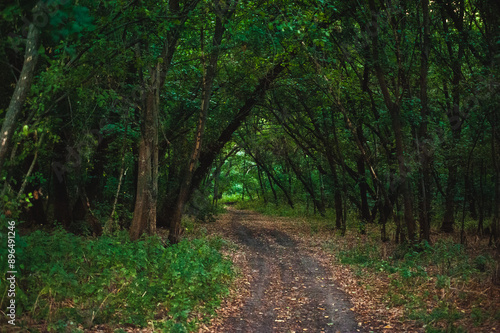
[(290, 282), (292, 278), (286, 284)]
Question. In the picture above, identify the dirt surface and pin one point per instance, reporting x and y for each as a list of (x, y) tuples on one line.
[(289, 289)]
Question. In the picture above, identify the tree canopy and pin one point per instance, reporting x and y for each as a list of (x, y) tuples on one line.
[(118, 114)]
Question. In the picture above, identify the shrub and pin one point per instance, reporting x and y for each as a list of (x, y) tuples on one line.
[(65, 278)]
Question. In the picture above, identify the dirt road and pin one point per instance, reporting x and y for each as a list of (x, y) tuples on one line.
[(290, 290)]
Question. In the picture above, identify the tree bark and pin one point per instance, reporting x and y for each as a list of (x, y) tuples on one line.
[(261, 184), (110, 225), (21, 91), (308, 186), (144, 218), (495, 222), (454, 119), (480, 222), (395, 114), (365, 210), (337, 197), (147, 183), (208, 79), (422, 139)]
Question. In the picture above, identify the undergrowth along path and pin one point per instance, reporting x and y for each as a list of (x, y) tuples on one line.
[(288, 288)]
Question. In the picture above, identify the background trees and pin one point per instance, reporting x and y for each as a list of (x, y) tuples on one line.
[(381, 110)]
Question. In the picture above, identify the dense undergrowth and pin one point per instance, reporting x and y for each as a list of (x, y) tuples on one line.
[(318, 222), (300, 209), (441, 287), (68, 283)]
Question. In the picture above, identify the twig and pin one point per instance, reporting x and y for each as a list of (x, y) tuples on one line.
[(30, 170)]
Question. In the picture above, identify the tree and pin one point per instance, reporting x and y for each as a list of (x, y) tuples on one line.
[(147, 183), (22, 89)]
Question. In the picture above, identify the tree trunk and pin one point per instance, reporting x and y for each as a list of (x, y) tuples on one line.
[(495, 222), (21, 91), (147, 182), (144, 219), (365, 210), (209, 73), (216, 192), (337, 197), (449, 209), (273, 190), (395, 113), (145, 197), (454, 119), (470, 191), (261, 184), (385, 213), (480, 222), (405, 188), (424, 201)]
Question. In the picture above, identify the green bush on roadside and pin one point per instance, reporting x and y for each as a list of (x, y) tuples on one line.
[(443, 264), (69, 279)]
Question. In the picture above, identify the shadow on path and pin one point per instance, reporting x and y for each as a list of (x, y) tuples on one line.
[(290, 290)]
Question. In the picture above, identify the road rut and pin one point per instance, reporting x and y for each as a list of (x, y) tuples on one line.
[(290, 290)]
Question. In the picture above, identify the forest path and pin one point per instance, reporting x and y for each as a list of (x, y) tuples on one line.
[(289, 287)]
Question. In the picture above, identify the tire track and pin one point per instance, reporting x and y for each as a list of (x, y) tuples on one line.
[(290, 290)]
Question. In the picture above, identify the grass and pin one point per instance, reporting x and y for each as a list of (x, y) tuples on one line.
[(68, 283), (299, 210), (438, 286)]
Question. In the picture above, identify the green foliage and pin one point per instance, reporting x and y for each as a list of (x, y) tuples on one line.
[(478, 316), (300, 209), (443, 313), (68, 279), (448, 257), (411, 268), (305, 142), (271, 209), (201, 208)]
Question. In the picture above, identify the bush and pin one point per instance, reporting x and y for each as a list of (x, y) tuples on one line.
[(66, 278), (411, 272)]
